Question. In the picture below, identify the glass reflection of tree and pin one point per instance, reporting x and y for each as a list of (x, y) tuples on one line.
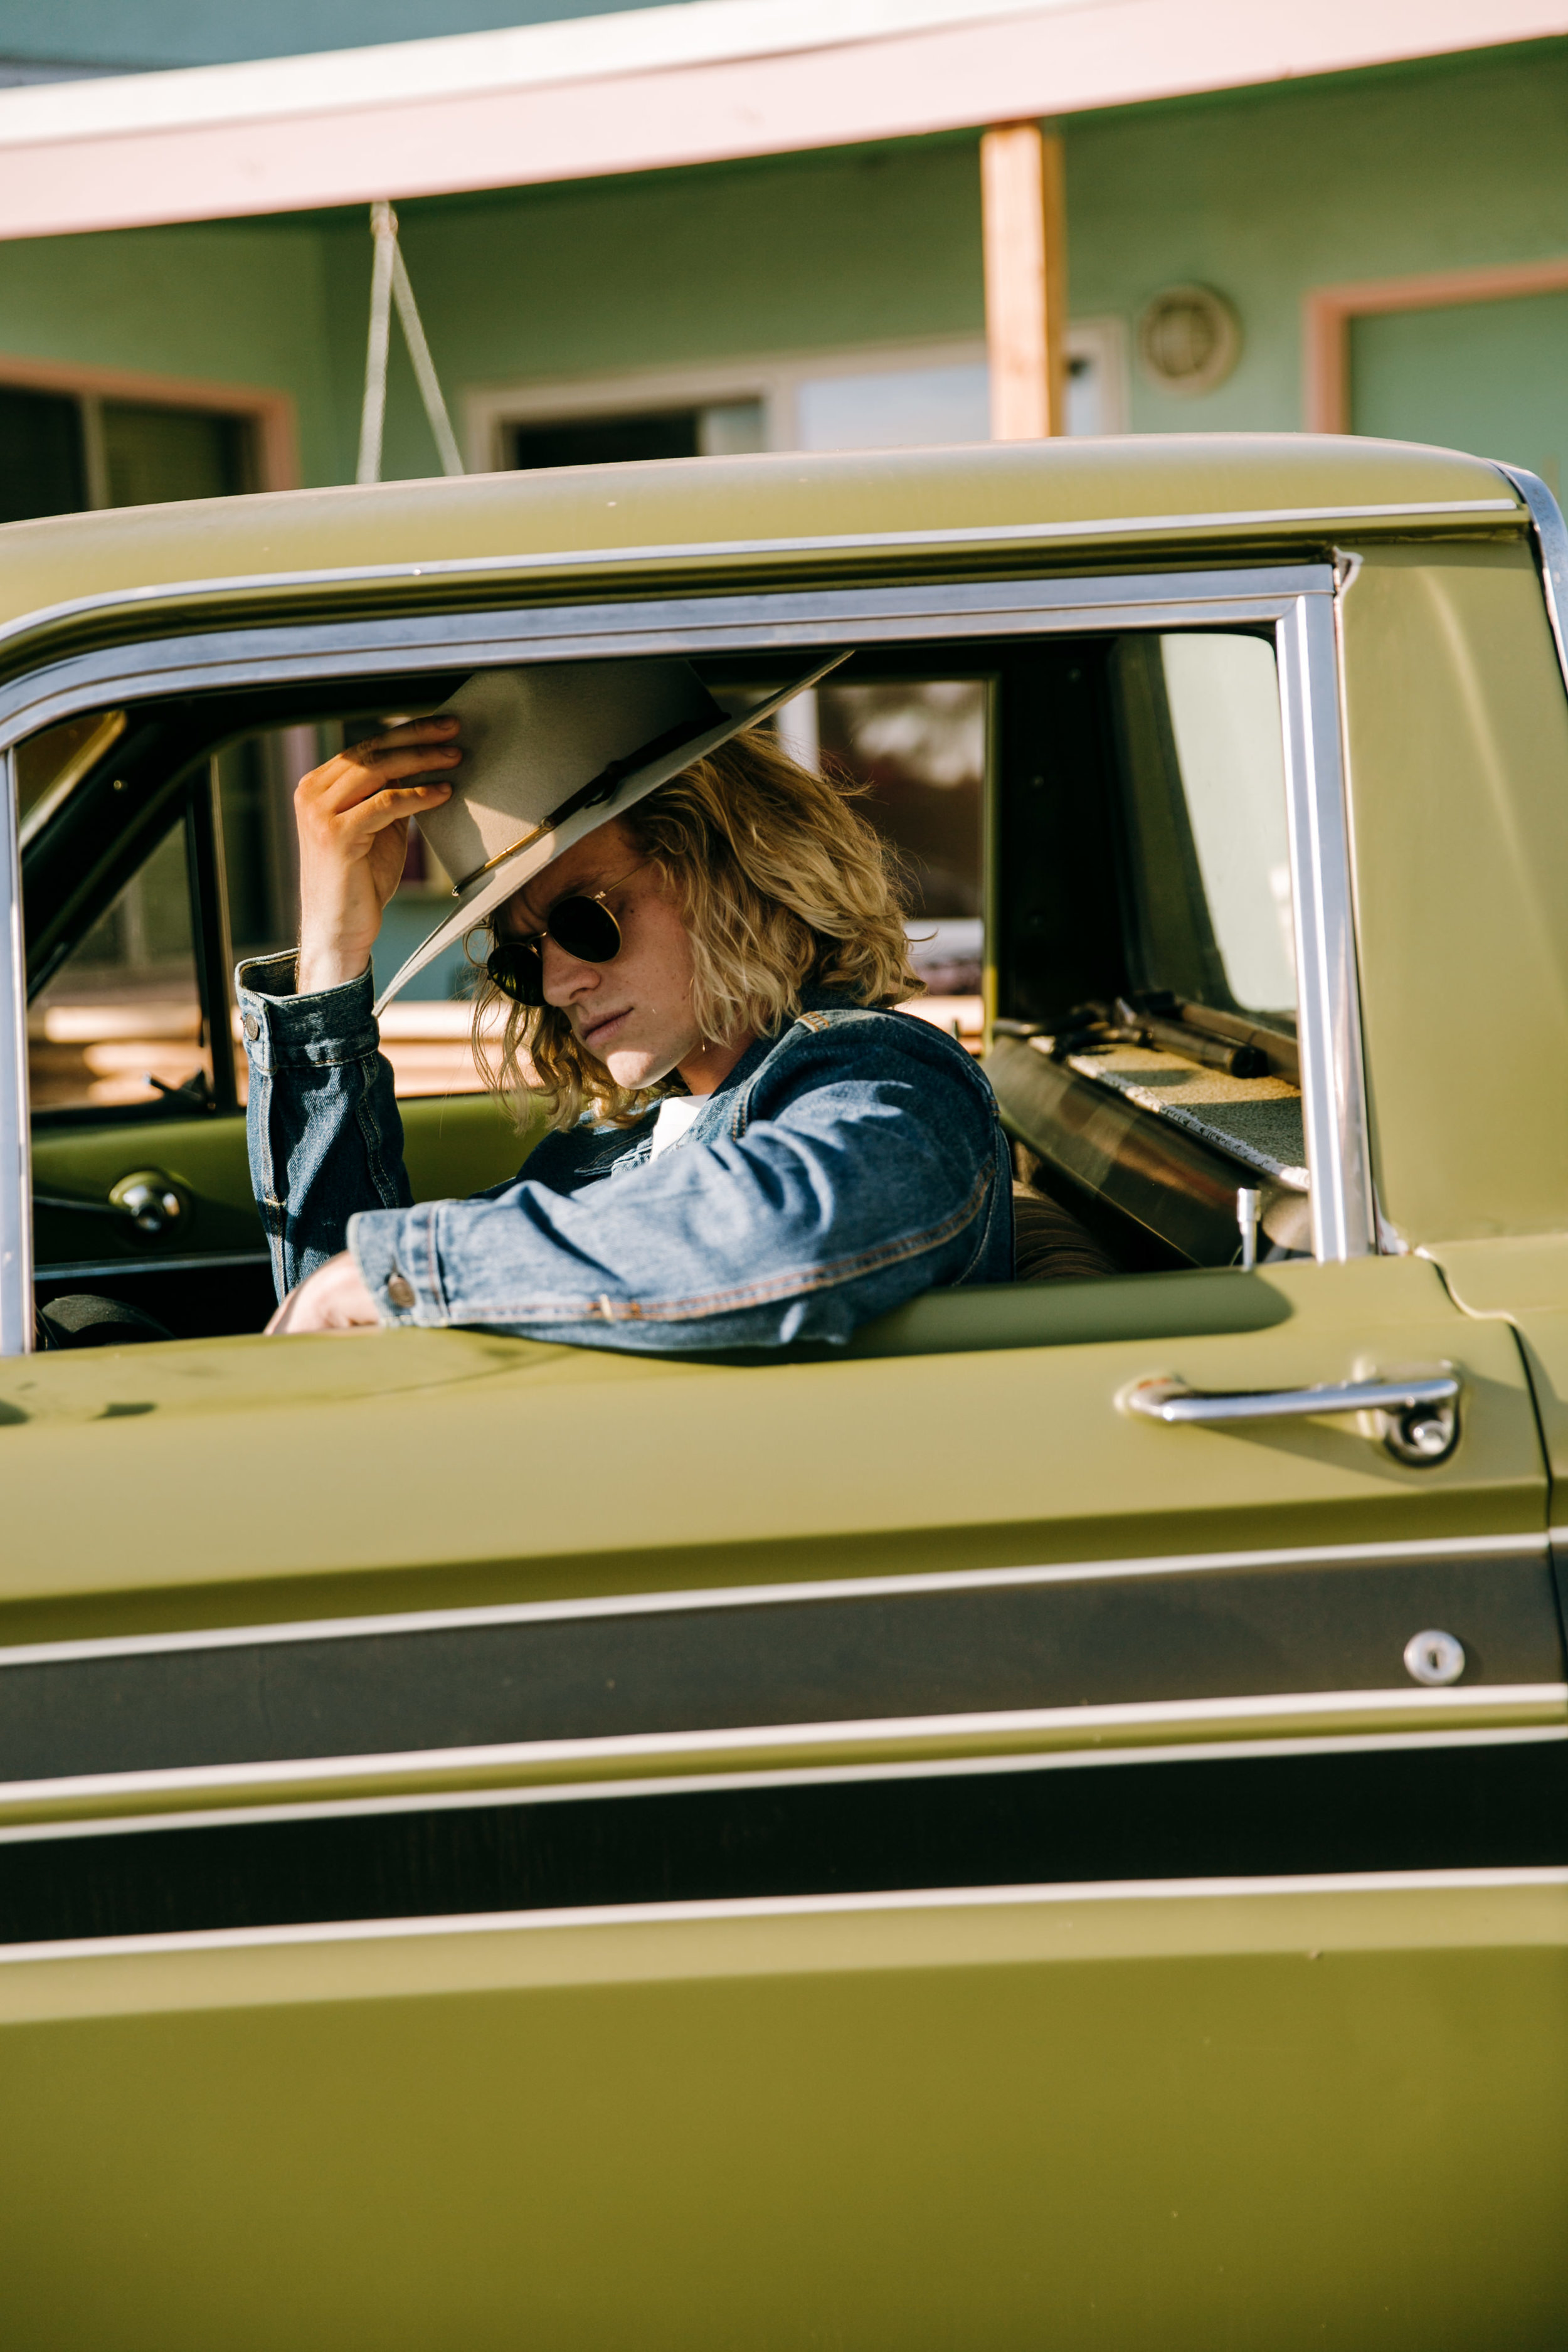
[(920, 749)]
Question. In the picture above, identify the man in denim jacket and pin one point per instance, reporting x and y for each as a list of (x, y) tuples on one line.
[(750, 1146)]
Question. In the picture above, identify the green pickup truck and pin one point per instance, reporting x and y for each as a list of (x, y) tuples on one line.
[(1063, 1839)]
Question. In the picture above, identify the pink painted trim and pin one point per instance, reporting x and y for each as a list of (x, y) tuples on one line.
[(1070, 59), (1329, 310), (272, 414)]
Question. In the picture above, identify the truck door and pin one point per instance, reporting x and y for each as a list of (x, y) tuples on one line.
[(1054, 1835)]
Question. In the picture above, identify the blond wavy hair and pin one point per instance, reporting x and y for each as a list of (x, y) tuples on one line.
[(781, 885)]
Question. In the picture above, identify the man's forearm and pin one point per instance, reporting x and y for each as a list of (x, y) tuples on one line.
[(324, 1134)]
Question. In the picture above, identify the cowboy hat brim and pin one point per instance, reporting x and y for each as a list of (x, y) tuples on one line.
[(494, 883)]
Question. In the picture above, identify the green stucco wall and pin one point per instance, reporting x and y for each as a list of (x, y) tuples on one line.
[(1489, 376), (240, 302), (1264, 194), (826, 250)]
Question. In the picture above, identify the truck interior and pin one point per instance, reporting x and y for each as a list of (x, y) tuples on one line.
[(1131, 837)]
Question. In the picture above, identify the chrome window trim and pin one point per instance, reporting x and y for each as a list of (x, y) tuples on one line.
[(1296, 601), (1485, 1705), (956, 539), (1550, 535), (809, 1776), (766, 621), (15, 1137), (1437, 1549), (1328, 990), (801, 1906)]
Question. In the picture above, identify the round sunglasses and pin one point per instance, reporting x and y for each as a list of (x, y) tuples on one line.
[(580, 925)]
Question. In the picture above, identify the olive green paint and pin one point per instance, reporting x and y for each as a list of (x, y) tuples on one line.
[(461, 1144), (581, 523), (1457, 731), (1526, 1280), (785, 2131), (1046, 1468), (1324, 2113)]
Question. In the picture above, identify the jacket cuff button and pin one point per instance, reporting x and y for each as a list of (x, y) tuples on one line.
[(251, 1026), (400, 1291)]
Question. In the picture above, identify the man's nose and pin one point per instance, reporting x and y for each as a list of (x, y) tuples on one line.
[(566, 977)]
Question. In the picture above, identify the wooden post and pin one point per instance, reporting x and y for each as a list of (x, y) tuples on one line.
[(1024, 214)]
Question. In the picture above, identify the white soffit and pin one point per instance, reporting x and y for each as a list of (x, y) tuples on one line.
[(699, 82)]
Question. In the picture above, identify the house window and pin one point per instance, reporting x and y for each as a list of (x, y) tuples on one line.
[(931, 407), (151, 455), (895, 408), (61, 451), (717, 429), (896, 397)]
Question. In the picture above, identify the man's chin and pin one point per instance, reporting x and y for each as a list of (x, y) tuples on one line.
[(635, 1069)]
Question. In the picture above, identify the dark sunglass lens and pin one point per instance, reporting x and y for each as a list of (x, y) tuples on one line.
[(585, 929), (517, 971)]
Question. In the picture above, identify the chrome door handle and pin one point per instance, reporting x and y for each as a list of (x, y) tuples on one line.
[(1421, 1417)]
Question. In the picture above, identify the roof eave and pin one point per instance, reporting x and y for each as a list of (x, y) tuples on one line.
[(706, 81)]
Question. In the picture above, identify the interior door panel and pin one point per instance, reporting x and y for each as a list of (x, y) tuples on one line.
[(206, 1272)]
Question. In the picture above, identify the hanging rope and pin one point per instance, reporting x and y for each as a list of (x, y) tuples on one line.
[(372, 416), (389, 284)]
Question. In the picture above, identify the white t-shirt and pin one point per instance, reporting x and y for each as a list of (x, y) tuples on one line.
[(676, 1113)]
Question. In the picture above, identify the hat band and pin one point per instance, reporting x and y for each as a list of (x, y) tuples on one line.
[(601, 788)]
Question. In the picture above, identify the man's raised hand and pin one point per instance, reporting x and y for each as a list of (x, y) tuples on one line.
[(352, 816)]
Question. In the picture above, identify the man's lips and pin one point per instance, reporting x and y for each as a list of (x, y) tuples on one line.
[(599, 1031)]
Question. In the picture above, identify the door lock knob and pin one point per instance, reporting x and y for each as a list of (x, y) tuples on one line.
[(1423, 1434), (149, 1200), (146, 1200)]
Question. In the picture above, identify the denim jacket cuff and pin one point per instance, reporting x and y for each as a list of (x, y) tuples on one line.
[(283, 1031), (394, 1250)]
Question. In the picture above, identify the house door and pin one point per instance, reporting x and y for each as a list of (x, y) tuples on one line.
[(1491, 377)]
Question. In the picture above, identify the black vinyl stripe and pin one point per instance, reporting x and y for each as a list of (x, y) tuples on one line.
[(1464, 1806), (1212, 1634)]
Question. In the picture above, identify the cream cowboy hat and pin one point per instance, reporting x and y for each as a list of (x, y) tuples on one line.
[(550, 752)]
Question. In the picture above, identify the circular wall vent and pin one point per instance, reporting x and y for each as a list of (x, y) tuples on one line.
[(1189, 339)]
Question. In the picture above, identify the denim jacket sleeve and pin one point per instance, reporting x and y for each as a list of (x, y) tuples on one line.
[(863, 1162), (866, 1166), (321, 1119)]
